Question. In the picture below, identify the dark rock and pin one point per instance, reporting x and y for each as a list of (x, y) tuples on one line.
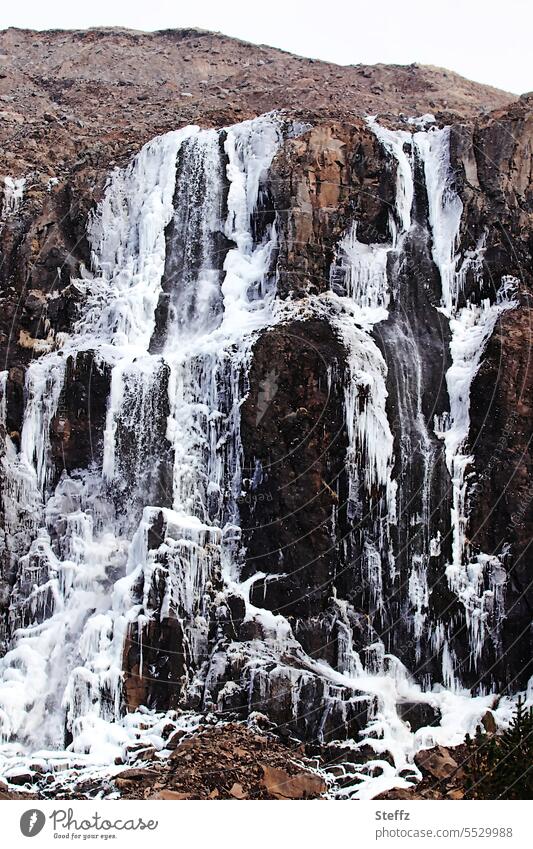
[(174, 740), (418, 714), (21, 778)]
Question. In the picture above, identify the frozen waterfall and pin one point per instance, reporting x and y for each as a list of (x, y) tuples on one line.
[(148, 536)]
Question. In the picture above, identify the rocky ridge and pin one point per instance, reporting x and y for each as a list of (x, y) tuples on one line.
[(67, 95)]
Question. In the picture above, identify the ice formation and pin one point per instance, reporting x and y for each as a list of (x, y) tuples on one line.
[(13, 195), (182, 282)]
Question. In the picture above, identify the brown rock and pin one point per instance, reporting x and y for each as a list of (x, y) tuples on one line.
[(174, 740), (21, 778), (237, 791), (129, 776), (146, 754), (170, 795), (438, 762), (489, 723), (281, 785), (456, 793)]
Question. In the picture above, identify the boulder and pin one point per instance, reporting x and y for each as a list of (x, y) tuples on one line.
[(438, 762), (282, 785), (170, 795)]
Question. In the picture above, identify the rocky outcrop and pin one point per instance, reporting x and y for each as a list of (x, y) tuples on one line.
[(493, 160), (295, 441), (58, 87), (221, 761), (334, 174), (502, 499)]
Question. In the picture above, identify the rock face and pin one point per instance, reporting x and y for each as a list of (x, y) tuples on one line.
[(335, 173), (301, 455), (494, 162), (295, 445)]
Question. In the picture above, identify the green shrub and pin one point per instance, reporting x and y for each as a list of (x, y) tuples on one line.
[(501, 766)]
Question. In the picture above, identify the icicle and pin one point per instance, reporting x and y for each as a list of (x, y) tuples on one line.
[(445, 210), (250, 148), (419, 598), (127, 236), (395, 142), (44, 382), (13, 194), (3, 399), (471, 329), (365, 276)]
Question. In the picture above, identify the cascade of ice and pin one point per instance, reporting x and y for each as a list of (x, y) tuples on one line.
[(43, 385), (65, 580), (208, 361), (445, 210), (396, 142), (364, 271), (406, 344), (370, 447), (418, 454), (182, 283), (193, 274), (476, 579), (66, 656), (207, 369), (19, 498), (127, 236)]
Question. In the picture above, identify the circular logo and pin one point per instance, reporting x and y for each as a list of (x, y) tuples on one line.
[(32, 822)]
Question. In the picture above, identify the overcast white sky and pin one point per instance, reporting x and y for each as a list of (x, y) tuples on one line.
[(490, 41)]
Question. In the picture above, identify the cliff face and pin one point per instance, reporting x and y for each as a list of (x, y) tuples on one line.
[(267, 388), (494, 166)]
